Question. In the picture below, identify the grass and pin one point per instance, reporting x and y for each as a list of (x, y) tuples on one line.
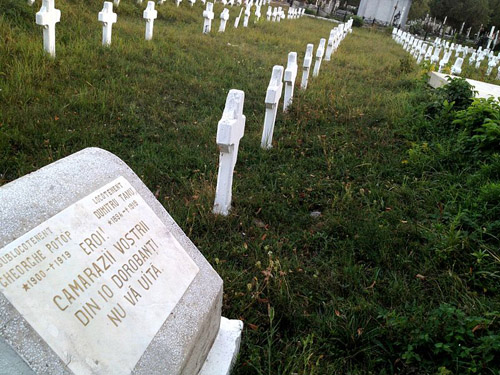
[(343, 293)]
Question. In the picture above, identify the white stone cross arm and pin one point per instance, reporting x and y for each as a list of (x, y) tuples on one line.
[(273, 94), (47, 17), (108, 18), (229, 133)]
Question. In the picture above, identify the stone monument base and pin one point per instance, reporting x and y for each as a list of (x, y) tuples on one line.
[(222, 356)]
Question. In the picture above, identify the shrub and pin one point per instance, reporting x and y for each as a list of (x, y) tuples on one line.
[(357, 21)]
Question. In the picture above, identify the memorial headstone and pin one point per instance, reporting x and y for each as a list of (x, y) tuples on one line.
[(273, 96), (307, 66), (229, 133), (150, 14), (97, 278), (108, 18), (289, 79), (47, 17)]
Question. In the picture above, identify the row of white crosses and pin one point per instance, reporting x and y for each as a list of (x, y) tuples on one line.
[(440, 52), (48, 16), (231, 127), (275, 15)]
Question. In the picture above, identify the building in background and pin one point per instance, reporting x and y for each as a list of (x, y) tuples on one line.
[(392, 12)]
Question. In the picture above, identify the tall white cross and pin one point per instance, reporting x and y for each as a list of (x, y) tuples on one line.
[(269, 13), (229, 133), (307, 66), (257, 12), (237, 19), (224, 16), (329, 46), (47, 17), (108, 18), (248, 12), (208, 14), (150, 14), (319, 56), (273, 96), (290, 76)]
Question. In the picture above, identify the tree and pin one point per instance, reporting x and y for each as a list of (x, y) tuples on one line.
[(419, 9)]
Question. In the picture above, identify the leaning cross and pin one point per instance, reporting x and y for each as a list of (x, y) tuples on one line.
[(229, 133), (47, 17), (273, 96), (108, 18)]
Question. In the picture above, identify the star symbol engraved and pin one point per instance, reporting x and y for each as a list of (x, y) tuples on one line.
[(26, 287)]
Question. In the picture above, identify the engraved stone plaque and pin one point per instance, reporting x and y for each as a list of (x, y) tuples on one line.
[(105, 284), (102, 272)]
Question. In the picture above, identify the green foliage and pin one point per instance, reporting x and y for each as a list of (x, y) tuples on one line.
[(458, 94), (357, 21), (454, 341)]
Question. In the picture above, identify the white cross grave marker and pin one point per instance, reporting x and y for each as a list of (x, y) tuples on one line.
[(108, 18), (237, 20), (229, 132), (273, 96), (31, 2), (192, 2), (290, 76), (224, 16), (47, 17), (116, 2), (248, 12), (178, 2), (307, 66), (319, 56), (150, 14), (275, 14), (257, 12), (208, 14), (329, 47), (457, 67), (269, 13)]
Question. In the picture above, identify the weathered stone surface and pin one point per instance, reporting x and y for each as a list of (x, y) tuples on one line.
[(185, 335)]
